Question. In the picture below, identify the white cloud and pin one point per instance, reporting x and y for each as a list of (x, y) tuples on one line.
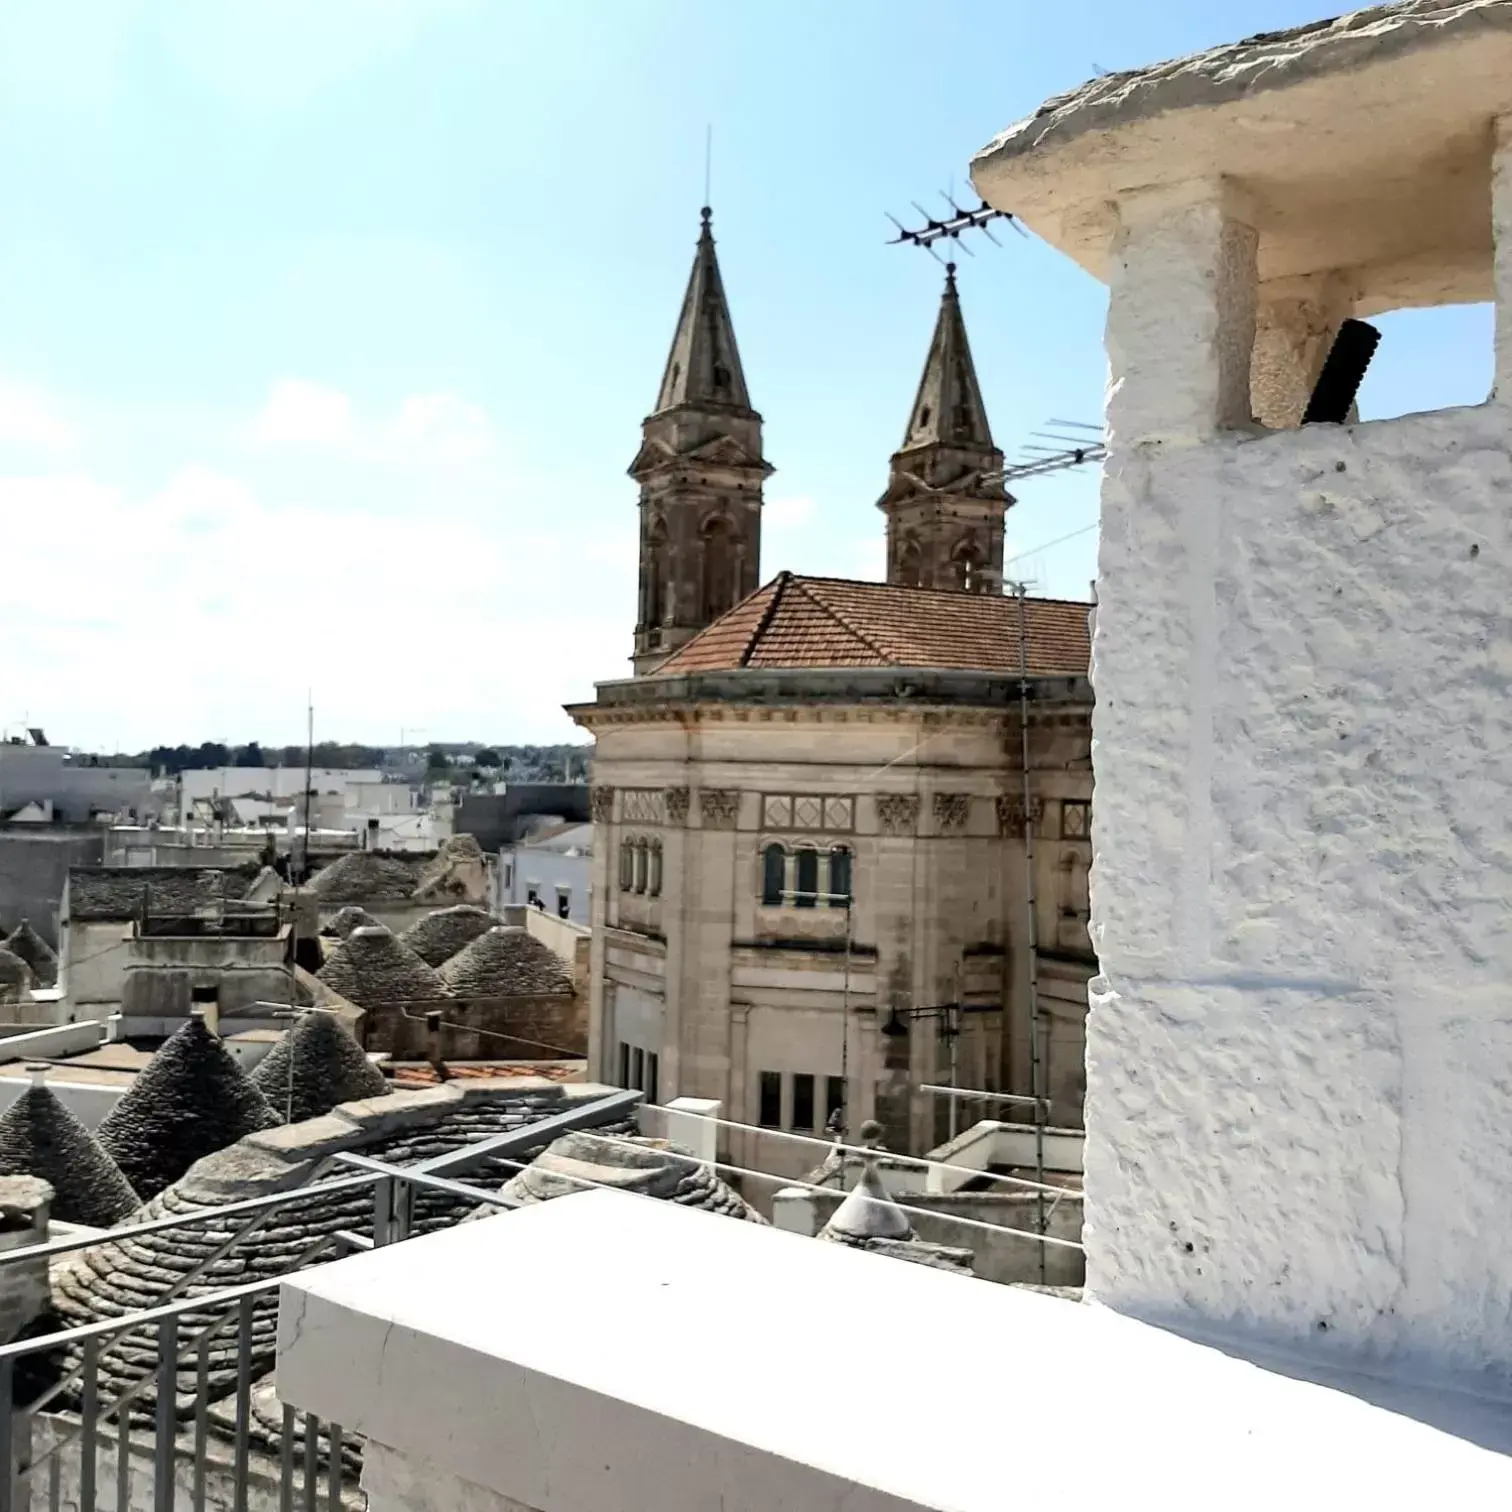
[(871, 558), (441, 428), (203, 608), (787, 513), (28, 417), (427, 429), (304, 414)]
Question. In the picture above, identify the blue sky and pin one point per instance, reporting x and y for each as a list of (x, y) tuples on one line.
[(329, 326)]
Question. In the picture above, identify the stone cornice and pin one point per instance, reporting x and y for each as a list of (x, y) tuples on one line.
[(842, 694)]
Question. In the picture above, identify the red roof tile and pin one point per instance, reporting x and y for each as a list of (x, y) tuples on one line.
[(834, 622)]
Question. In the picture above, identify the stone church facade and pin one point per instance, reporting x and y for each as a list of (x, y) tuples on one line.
[(814, 837)]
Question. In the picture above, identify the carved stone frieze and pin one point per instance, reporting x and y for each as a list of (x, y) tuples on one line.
[(1010, 813), (951, 811), (601, 804), (898, 813), (719, 808), (677, 805)]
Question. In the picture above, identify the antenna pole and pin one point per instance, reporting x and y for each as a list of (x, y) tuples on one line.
[(1036, 1048), (304, 870)]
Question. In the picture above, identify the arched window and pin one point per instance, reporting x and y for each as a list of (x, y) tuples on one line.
[(840, 877), (806, 882), (642, 858), (653, 884), (966, 559), (773, 875), (655, 561), (627, 866), (718, 540), (910, 564)]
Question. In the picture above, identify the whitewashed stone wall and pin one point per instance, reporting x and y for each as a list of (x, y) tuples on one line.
[(1300, 1057)]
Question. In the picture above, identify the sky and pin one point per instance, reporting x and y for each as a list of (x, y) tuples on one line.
[(327, 328)]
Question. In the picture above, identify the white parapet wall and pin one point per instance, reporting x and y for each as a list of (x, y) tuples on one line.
[(468, 1407), (1299, 1079)]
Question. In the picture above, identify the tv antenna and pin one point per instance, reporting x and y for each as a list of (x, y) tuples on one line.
[(950, 227)]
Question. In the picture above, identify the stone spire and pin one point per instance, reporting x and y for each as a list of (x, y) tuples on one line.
[(703, 366), (700, 468), (944, 515)]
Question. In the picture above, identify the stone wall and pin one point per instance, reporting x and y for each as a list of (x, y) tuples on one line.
[(1304, 752), (34, 869), (735, 987), (525, 1028)]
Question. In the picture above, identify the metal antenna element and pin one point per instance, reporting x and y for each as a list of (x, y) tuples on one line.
[(934, 229), (1074, 443)]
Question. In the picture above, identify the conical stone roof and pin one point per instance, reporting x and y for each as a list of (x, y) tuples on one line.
[(457, 870), (40, 1137), (314, 1067), (507, 962), (16, 979), (25, 942), (373, 970), (190, 1101), (653, 1167), (363, 877), (868, 1211), (439, 936), (345, 920)]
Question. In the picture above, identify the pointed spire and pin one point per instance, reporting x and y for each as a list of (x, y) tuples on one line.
[(703, 366), (948, 409)]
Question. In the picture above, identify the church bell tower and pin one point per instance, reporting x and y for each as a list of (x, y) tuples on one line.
[(700, 469), (945, 498)]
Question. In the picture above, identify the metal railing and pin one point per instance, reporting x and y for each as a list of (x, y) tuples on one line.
[(172, 1406)]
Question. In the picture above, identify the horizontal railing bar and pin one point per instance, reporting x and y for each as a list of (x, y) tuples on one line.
[(310, 1193), (434, 1183), (586, 1114), (77, 1335)]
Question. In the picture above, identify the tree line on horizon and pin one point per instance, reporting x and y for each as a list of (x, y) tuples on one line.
[(522, 763)]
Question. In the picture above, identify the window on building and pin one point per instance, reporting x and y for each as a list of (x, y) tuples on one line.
[(655, 573), (627, 865), (718, 567), (806, 886), (834, 1099), (653, 884), (773, 875), (642, 859), (653, 1069), (638, 1069), (769, 1114), (624, 1064), (839, 877), (803, 1102)]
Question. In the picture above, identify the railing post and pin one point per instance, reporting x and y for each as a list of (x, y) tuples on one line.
[(383, 1214), (243, 1401), (8, 1428), (89, 1406), (167, 1391)]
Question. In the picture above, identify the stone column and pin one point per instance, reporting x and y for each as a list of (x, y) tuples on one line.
[(1181, 314), (1501, 232)]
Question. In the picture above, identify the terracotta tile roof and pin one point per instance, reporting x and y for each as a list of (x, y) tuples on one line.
[(834, 622)]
